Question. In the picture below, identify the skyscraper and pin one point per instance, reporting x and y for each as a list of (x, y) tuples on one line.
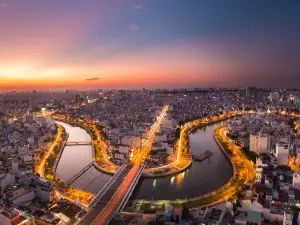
[(251, 91), (77, 98)]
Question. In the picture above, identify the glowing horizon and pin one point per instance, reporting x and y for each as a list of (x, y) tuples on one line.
[(134, 44)]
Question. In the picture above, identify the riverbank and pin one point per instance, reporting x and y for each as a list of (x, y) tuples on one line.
[(235, 184), (45, 166), (166, 172)]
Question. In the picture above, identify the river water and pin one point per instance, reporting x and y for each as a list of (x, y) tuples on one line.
[(200, 178)]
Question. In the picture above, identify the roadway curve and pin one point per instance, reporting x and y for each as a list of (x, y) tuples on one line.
[(40, 169)]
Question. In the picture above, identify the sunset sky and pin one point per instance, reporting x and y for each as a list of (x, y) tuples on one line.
[(62, 44)]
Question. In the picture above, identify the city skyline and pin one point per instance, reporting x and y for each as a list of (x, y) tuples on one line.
[(151, 44)]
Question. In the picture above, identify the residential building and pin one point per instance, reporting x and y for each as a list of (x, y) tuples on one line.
[(282, 152), (43, 188), (16, 196), (260, 143)]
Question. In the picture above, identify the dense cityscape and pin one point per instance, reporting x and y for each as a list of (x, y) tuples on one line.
[(147, 135)]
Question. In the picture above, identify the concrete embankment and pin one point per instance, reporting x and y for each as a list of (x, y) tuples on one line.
[(96, 165), (62, 147), (172, 171)]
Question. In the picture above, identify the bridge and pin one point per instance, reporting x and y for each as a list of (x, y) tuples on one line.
[(113, 198), (72, 143), (76, 176)]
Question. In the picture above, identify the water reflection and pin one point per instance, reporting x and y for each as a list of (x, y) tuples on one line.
[(154, 184), (179, 180), (172, 180), (199, 179)]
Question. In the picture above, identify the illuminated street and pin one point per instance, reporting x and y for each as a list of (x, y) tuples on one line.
[(241, 156), (110, 208), (40, 168), (147, 144)]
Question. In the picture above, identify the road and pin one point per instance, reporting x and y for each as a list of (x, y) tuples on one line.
[(105, 158), (107, 198), (40, 168), (111, 207), (147, 144), (238, 152)]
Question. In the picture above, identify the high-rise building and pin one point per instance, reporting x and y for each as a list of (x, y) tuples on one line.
[(77, 98), (260, 143), (282, 152), (251, 91), (43, 188), (29, 119)]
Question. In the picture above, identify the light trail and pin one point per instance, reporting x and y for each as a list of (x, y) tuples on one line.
[(147, 144)]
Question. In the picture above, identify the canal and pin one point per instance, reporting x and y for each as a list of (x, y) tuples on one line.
[(200, 178), (75, 158)]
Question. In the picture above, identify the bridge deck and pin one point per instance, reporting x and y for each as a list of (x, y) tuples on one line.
[(95, 211), (72, 143)]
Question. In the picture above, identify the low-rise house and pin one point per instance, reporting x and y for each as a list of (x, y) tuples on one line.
[(18, 195)]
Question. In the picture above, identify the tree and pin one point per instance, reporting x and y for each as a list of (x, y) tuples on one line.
[(185, 210)]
